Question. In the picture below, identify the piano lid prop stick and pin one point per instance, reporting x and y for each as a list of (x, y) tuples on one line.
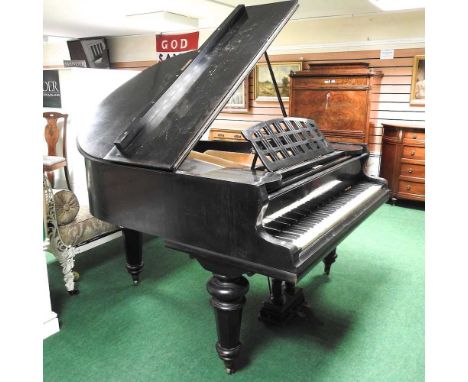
[(278, 95), (254, 161)]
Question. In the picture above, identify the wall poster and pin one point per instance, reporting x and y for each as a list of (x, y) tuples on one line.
[(51, 96)]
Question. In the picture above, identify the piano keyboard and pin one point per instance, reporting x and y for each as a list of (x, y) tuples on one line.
[(303, 223)]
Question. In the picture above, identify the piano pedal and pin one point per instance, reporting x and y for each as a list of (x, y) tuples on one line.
[(281, 314), (301, 314)]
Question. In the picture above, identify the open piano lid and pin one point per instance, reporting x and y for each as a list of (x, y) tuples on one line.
[(156, 118)]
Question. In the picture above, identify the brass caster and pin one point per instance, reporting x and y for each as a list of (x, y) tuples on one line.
[(135, 280), (76, 276)]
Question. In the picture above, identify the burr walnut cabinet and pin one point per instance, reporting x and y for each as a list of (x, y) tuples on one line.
[(336, 97)]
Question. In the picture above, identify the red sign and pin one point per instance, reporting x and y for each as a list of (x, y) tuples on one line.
[(177, 42)]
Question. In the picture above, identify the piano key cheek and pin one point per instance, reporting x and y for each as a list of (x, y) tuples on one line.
[(284, 242)]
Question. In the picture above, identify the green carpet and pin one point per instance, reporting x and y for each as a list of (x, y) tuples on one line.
[(367, 322)]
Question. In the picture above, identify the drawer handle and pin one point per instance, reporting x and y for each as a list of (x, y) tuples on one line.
[(415, 136), (413, 153), (410, 170), (220, 135), (408, 187), (237, 136)]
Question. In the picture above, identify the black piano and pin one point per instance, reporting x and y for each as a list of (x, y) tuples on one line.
[(148, 171)]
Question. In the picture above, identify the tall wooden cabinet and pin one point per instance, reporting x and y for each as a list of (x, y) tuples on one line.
[(403, 160), (336, 97)]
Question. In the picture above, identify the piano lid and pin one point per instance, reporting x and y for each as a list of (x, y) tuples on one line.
[(157, 117)]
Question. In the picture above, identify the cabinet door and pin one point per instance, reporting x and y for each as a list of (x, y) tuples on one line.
[(333, 110)]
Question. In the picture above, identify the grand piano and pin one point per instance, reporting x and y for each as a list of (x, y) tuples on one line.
[(148, 171)]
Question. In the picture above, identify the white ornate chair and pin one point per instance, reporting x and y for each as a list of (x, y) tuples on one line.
[(71, 229)]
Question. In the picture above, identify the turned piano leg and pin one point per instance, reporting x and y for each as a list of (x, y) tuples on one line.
[(133, 241), (228, 299), (329, 260)]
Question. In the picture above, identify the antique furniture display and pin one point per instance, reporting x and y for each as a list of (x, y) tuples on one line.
[(336, 97), (403, 160), (52, 161), (279, 215), (71, 229)]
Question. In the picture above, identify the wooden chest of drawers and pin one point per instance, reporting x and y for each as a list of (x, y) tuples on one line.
[(403, 160)]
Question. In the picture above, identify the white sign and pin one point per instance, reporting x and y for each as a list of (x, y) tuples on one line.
[(387, 54)]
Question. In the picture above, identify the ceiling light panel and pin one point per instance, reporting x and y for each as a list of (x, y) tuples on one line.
[(161, 21), (398, 5)]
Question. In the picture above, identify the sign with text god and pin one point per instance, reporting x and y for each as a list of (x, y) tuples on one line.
[(169, 45)]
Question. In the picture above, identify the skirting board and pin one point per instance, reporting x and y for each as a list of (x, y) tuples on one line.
[(50, 325)]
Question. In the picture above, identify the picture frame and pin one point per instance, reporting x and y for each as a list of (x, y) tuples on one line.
[(418, 87), (263, 85), (239, 102)]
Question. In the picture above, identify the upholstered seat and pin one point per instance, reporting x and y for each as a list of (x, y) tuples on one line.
[(51, 163), (70, 227), (84, 228)]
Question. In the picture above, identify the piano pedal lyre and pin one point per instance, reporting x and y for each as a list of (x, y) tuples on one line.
[(283, 304)]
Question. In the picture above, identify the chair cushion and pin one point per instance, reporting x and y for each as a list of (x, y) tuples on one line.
[(85, 227), (66, 206), (49, 160)]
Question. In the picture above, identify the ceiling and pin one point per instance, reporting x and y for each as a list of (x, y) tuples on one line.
[(86, 18)]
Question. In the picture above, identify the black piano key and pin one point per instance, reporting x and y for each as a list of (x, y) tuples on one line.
[(285, 236), (277, 224), (288, 219), (284, 233), (296, 213)]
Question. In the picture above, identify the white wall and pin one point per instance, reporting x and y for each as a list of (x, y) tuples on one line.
[(81, 91), (392, 30)]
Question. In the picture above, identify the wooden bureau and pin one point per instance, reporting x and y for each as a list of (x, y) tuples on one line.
[(403, 160), (337, 97)]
